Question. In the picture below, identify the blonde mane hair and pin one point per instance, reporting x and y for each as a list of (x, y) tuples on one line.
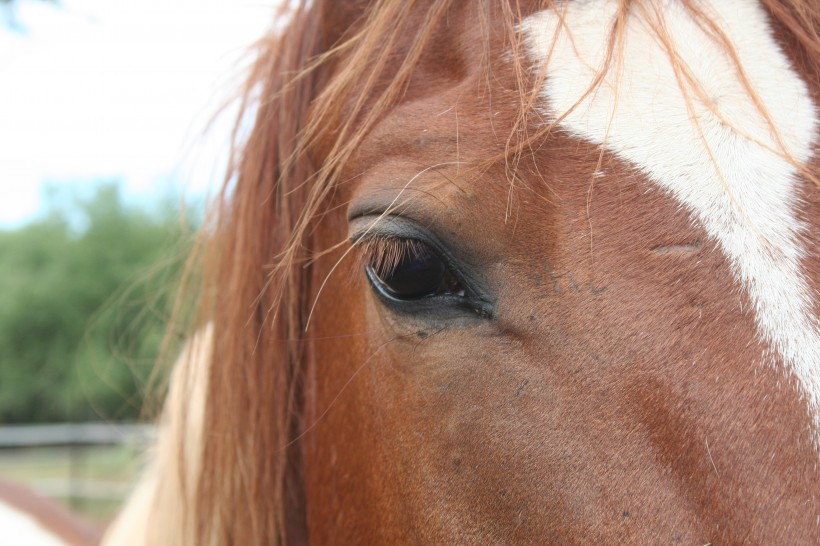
[(236, 481)]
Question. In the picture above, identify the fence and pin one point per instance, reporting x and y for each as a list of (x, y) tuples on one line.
[(79, 434), (91, 466)]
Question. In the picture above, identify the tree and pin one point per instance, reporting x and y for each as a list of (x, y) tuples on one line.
[(82, 313)]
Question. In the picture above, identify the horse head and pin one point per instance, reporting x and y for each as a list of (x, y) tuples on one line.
[(505, 272)]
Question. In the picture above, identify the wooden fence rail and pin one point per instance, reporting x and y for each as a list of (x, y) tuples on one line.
[(75, 434)]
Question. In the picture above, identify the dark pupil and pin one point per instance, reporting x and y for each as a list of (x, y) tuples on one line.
[(415, 276)]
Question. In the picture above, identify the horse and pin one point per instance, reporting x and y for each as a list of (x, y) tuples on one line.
[(523, 272), (30, 519)]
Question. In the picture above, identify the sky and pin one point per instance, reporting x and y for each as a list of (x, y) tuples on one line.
[(119, 89)]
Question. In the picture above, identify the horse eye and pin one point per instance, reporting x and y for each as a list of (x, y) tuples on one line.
[(416, 272)]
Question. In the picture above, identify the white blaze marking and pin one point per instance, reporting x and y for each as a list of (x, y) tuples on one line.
[(17, 528), (640, 114)]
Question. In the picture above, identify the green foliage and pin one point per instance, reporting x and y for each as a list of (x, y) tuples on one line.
[(83, 311)]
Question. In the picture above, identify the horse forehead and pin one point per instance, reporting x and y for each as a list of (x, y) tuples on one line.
[(721, 161)]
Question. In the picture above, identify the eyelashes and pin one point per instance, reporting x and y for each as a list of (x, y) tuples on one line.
[(384, 254)]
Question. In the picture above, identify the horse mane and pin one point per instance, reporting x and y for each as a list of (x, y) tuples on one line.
[(257, 245)]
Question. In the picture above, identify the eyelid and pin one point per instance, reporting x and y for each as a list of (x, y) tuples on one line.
[(398, 227), (383, 225)]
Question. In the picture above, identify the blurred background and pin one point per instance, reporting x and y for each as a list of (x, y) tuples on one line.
[(109, 149)]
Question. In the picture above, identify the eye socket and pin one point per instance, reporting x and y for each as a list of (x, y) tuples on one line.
[(408, 269)]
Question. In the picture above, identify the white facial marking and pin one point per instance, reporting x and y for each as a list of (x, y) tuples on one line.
[(19, 528), (639, 113)]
